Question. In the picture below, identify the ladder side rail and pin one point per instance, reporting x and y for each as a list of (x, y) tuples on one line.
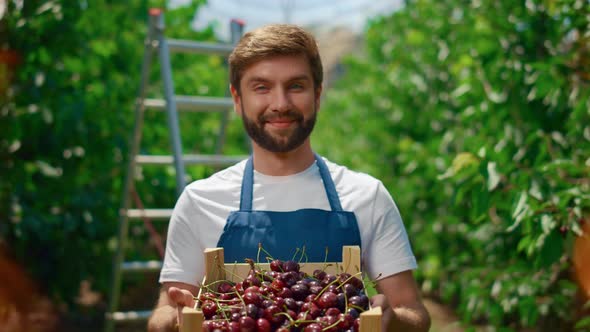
[(166, 69), (221, 134), (237, 29), (129, 180)]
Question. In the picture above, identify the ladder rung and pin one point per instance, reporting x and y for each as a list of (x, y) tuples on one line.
[(129, 316), (199, 159), (162, 214), (192, 103), (142, 266), (189, 46)]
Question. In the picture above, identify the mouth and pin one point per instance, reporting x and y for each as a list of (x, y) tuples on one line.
[(281, 123)]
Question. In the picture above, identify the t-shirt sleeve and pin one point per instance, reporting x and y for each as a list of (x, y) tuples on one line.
[(390, 251), (183, 261)]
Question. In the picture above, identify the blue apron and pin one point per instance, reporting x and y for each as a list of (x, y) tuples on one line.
[(282, 233)]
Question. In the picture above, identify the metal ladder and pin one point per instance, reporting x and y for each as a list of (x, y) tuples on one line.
[(170, 104)]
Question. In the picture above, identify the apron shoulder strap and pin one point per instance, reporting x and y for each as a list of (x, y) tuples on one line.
[(247, 186)]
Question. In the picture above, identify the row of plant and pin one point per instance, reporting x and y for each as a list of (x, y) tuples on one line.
[(475, 116)]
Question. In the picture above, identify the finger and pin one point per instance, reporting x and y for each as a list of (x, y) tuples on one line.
[(181, 297), (378, 300)]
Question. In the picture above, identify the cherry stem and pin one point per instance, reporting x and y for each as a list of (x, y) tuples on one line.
[(325, 259), (261, 248), (332, 325)]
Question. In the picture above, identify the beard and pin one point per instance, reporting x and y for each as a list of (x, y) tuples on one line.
[(283, 143)]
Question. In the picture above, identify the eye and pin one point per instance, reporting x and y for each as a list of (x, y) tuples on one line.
[(260, 88), (296, 86)]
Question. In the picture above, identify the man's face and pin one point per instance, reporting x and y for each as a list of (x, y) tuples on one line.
[(278, 102)]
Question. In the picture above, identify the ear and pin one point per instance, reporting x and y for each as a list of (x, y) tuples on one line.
[(318, 95), (236, 99)]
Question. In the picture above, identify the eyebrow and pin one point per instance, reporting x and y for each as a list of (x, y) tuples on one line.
[(257, 79)]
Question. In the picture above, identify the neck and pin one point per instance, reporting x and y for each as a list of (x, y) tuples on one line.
[(283, 163)]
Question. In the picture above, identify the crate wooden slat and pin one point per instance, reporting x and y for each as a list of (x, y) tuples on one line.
[(192, 319)]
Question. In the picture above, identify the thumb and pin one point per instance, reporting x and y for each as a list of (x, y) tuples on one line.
[(181, 297)]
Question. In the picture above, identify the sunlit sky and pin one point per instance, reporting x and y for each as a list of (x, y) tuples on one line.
[(309, 13)]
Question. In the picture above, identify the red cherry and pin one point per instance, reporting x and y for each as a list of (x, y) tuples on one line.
[(225, 287), (209, 325), (277, 285), (263, 325), (252, 298), (332, 312), (291, 304), (347, 320), (207, 296), (285, 293), (328, 279), (289, 266), (334, 289), (319, 274), (234, 327), (279, 302), (327, 300), (356, 324), (312, 308), (247, 324), (313, 327), (251, 289), (315, 289), (276, 265), (209, 309), (252, 311), (272, 314)]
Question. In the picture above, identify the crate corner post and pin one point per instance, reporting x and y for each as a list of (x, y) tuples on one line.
[(351, 259), (214, 264), (371, 320), (191, 320)]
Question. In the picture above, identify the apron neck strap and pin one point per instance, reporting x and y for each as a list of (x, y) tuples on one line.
[(248, 185), (328, 184)]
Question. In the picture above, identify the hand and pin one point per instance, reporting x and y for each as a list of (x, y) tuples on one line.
[(380, 300), (180, 298)]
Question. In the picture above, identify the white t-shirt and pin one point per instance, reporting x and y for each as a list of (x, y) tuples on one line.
[(202, 210)]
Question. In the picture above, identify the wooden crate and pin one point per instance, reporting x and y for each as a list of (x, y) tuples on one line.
[(192, 319)]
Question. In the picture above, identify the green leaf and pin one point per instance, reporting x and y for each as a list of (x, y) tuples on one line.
[(583, 323), (493, 176), (520, 212)]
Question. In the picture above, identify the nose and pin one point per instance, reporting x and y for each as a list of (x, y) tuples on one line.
[(280, 101)]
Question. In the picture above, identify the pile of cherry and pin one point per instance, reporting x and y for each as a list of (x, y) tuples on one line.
[(284, 299)]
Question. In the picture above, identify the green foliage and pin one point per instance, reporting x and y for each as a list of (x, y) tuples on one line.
[(475, 115), (66, 128)]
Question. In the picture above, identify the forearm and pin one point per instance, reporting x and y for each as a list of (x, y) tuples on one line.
[(407, 319), (163, 319)]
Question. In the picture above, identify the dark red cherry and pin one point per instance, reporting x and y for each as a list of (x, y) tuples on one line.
[(313, 327), (209, 309), (276, 265), (289, 266), (327, 300), (247, 324), (263, 325)]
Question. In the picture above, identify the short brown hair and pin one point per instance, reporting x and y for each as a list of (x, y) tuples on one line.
[(274, 40)]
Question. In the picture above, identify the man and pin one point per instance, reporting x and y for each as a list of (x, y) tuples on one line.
[(285, 196)]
